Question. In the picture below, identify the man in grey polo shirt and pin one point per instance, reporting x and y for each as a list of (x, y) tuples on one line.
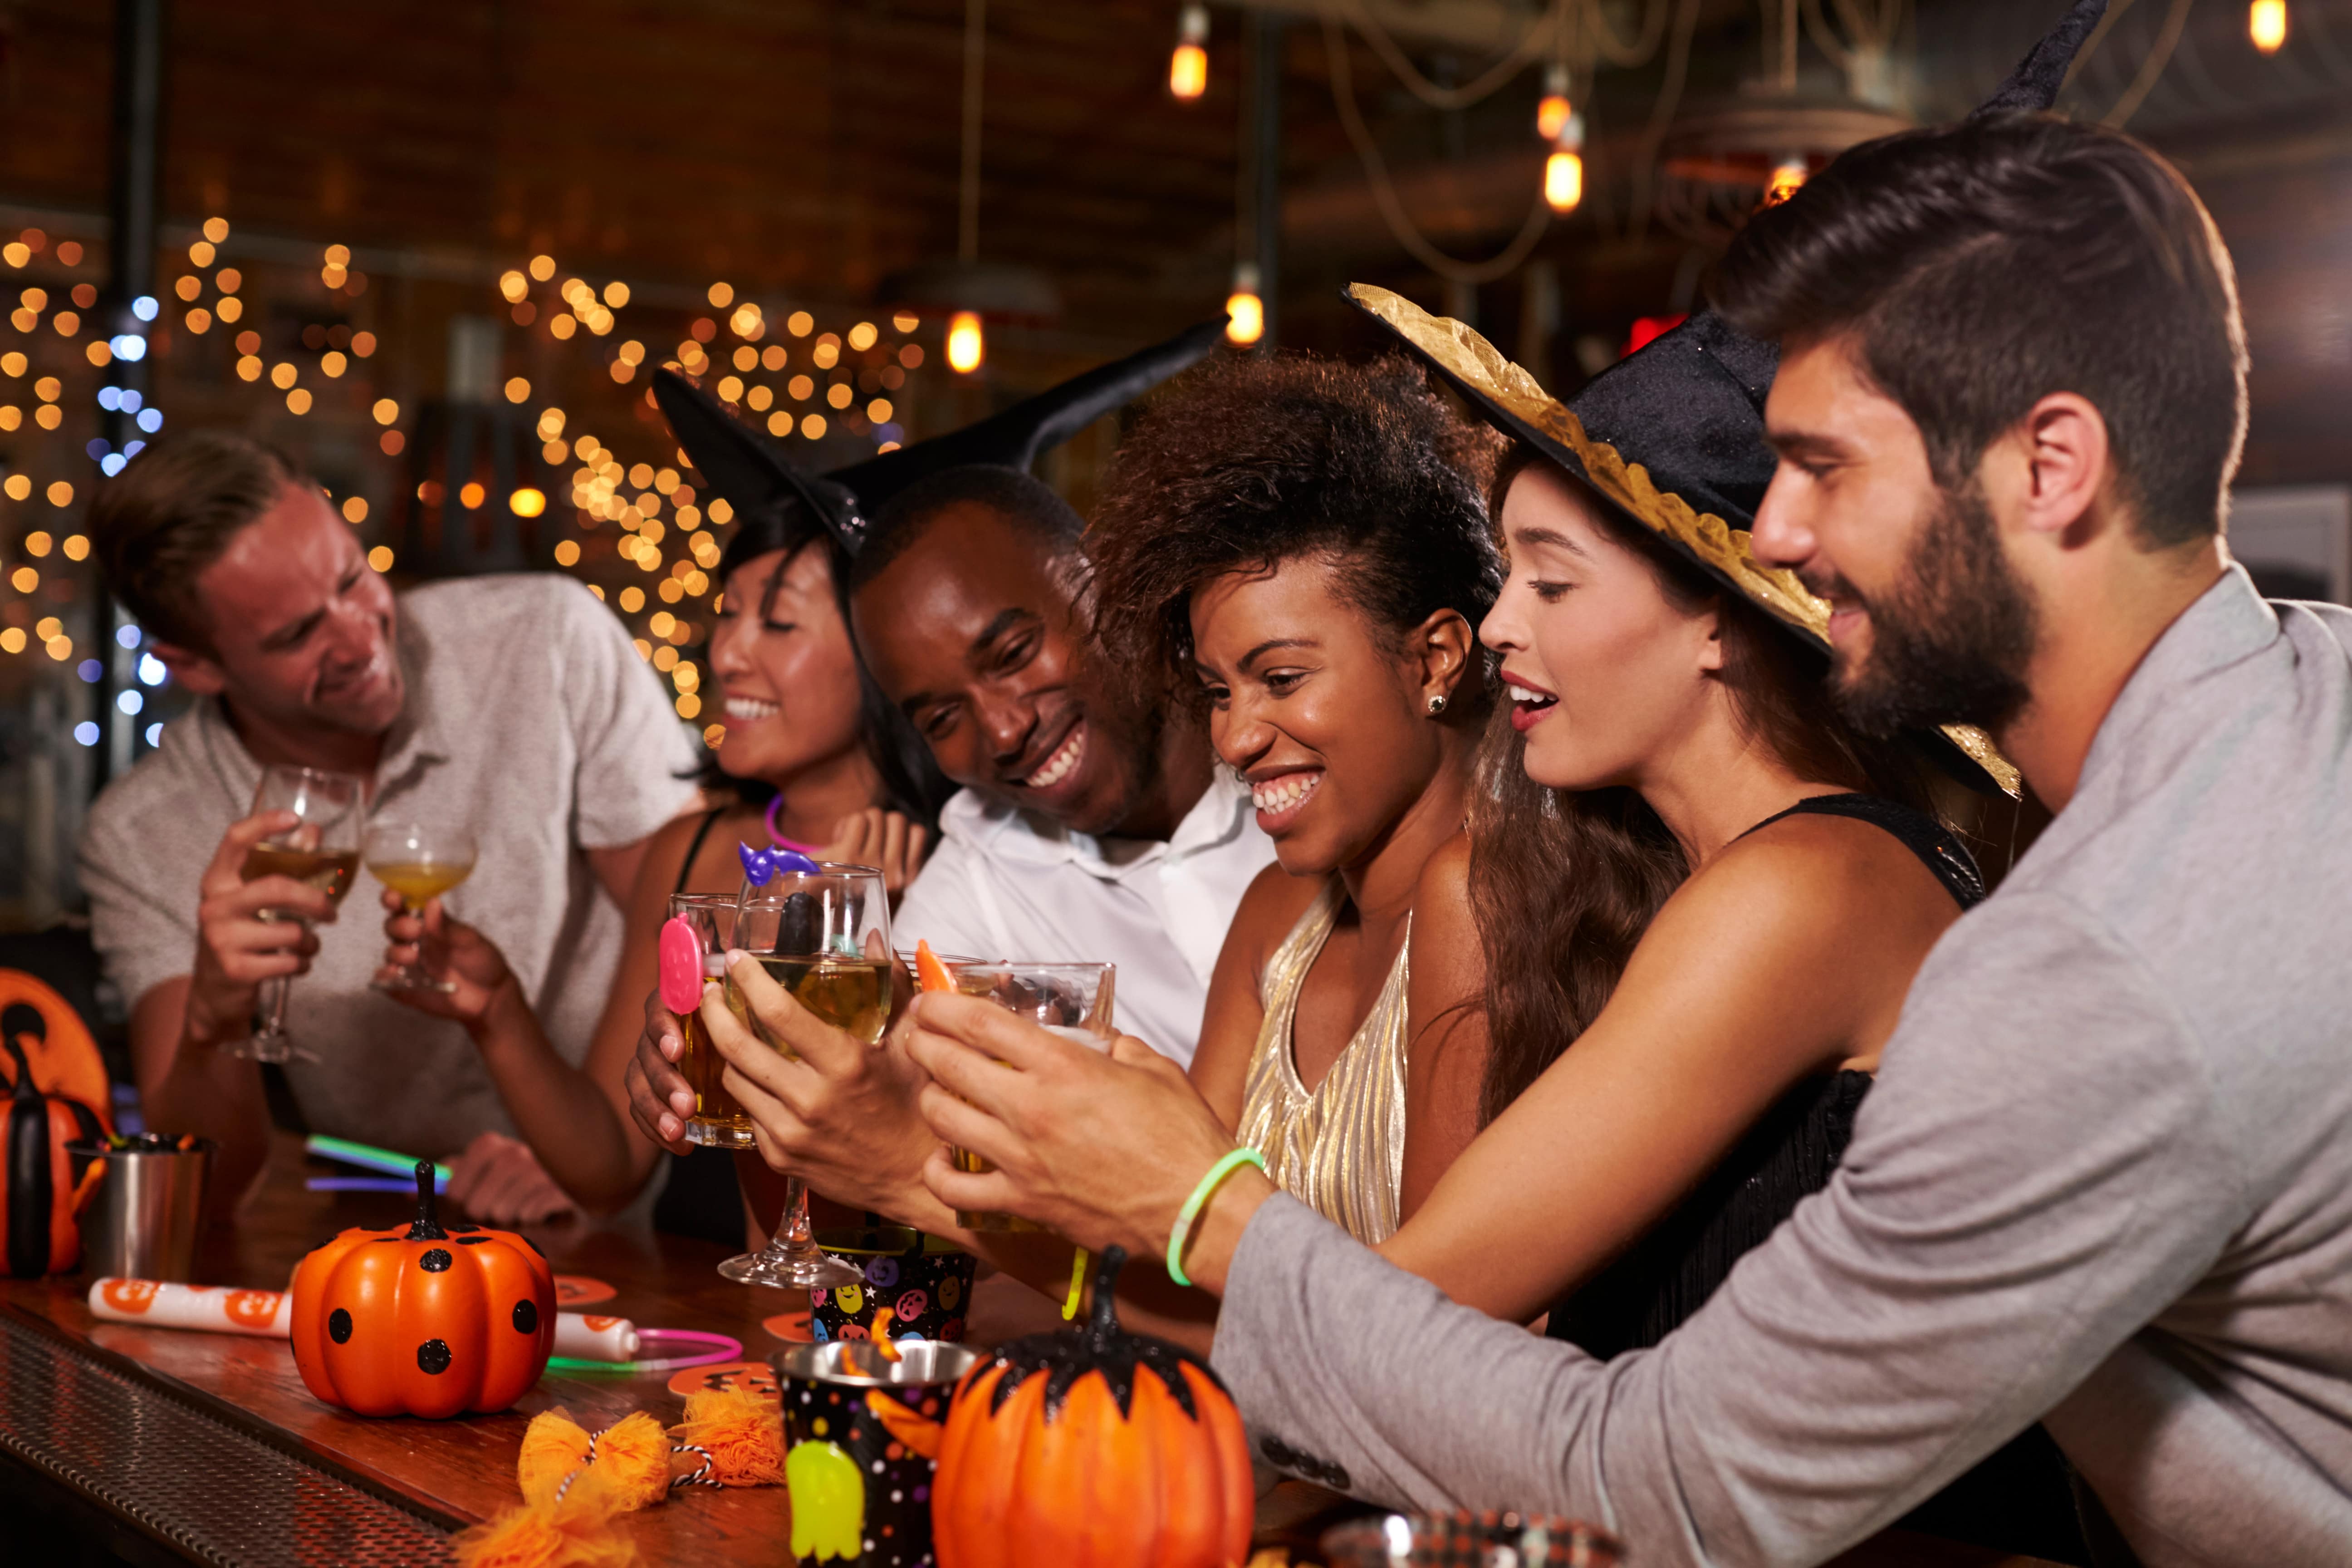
[(513, 705)]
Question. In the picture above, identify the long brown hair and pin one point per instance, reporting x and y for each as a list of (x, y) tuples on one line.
[(1563, 883)]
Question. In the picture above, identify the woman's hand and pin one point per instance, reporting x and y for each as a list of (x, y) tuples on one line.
[(500, 1181), (1102, 1150), (660, 1099), (883, 839), (447, 950), (842, 1116)]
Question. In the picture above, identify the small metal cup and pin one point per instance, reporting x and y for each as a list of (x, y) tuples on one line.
[(862, 1435), (148, 1211)]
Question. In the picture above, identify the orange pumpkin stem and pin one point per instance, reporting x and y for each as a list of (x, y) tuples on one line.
[(427, 1226)]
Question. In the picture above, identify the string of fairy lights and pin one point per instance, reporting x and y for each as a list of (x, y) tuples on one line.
[(774, 365), (797, 382)]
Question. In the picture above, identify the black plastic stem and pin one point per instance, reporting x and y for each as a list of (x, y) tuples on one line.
[(1102, 1323), (428, 1219)]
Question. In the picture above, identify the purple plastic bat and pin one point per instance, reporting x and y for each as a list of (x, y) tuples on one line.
[(761, 866)]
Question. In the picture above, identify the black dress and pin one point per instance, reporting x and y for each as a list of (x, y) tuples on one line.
[(2021, 1499), (703, 1197)]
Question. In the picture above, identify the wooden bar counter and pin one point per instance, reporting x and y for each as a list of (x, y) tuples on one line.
[(162, 1446)]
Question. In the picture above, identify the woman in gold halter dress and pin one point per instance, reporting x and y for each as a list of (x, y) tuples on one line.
[(1301, 547)]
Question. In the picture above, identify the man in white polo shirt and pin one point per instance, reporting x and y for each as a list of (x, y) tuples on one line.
[(513, 705), (1094, 822)]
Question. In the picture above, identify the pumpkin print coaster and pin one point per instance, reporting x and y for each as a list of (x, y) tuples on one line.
[(862, 1435), (926, 1284), (422, 1320), (792, 1326), (755, 1376), (576, 1290)]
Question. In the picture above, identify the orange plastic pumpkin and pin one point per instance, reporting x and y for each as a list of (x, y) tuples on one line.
[(1092, 1447), (40, 1206), (422, 1320), (55, 1041)]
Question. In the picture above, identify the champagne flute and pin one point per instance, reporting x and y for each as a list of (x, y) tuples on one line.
[(420, 863), (323, 849), (825, 937)]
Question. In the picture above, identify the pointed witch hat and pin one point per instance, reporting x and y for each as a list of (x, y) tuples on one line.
[(1672, 435), (754, 471)]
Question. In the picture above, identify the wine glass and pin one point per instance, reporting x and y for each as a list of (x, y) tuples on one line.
[(323, 849), (420, 863), (825, 937)]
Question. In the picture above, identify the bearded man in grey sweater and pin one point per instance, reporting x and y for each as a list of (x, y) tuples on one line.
[(2104, 1180)]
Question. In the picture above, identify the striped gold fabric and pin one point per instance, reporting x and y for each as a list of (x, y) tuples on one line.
[(1339, 1150)]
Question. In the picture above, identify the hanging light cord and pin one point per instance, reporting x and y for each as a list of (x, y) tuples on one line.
[(1871, 34), (2158, 56), (1384, 196), (2114, 12), (975, 52), (1661, 115)]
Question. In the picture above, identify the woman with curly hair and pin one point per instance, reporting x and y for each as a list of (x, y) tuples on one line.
[(1300, 546)]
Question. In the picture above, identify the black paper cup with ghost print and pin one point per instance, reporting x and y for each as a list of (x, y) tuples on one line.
[(924, 1282), (862, 1438)]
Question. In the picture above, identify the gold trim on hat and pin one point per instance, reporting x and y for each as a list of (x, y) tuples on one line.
[(1472, 361)]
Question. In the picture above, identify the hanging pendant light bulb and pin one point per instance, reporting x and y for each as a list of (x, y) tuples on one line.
[(1244, 309), (1551, 114), (1564, 170), (2266, 25), (1188, 68), (1787, 177), (965, 347)]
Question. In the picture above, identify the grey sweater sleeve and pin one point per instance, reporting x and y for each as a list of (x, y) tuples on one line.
[(2035, 1175)]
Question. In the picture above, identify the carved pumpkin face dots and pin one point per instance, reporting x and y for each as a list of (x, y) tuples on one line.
[(432, 1357), (436, 1260), (339, 1326), (526, 1317)]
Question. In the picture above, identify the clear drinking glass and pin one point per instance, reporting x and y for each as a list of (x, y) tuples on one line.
[(1072, 1000), (718, 1121), (323, 849), (825, 937), (420, 863)]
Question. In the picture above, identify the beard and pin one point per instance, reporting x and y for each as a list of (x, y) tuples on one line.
[(1950, 640)]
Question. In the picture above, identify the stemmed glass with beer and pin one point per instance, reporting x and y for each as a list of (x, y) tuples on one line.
[(823, 936), (322, 849)]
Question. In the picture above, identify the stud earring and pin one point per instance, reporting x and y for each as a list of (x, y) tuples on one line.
[(1437, 705)]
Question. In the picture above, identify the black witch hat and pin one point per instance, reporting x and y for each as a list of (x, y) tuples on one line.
[(1672, 435), (755, 472)]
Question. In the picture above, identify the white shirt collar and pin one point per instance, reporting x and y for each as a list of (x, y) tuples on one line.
[(1218, 817)]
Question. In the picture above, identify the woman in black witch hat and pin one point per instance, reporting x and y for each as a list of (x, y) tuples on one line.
[(811, 757)]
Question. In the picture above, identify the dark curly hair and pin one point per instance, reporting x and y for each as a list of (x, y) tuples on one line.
[(1249, 462)]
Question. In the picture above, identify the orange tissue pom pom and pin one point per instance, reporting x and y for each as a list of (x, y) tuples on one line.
[(742, 1433)]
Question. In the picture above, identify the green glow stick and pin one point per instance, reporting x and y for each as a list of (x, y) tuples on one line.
[(368, 1158)]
